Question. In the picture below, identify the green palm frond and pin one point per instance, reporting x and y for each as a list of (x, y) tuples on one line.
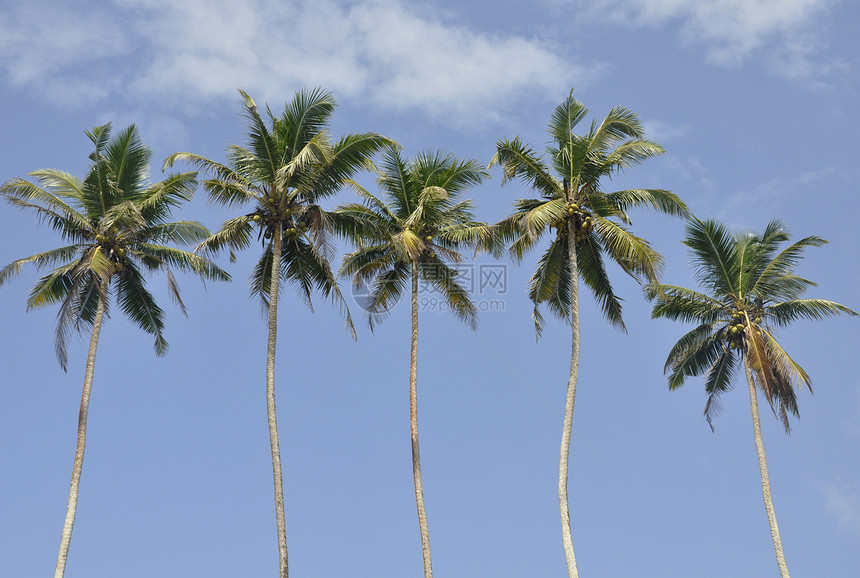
[(661, 200), (139, 305), (434, 271), (714, 255), (311, 271), (260, 281), (26, 195), (770, 281), (632, 253), (238, 189), (519, 161), (234, 234), (592, 271), (351, 154), (630, 154), (181, 260), (40, 260), (158, 200), (366, 263), (386, 290), (565, 118), (83, 288), (694, 354), (682, 304), (179, 232), (53, 287), (550, 284), (811, 309), (718, 380)]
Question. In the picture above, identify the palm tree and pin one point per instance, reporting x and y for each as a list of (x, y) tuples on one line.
[(572, 201), (117, 224), (414, 235), (289, 167), (751, 290)]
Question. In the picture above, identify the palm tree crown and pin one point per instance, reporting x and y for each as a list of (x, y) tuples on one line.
[(290, 165), (420, 222), (573, 201), (751, 289), (117, 224)]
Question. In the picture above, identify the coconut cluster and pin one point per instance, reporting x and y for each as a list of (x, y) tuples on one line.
[(582, 222), (734, 331), (291, 227), (114, 251)]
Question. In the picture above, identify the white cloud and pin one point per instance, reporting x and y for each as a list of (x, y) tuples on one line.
[(782, 32), (769, 197), (661, 132), (184, 52), (844, 504)]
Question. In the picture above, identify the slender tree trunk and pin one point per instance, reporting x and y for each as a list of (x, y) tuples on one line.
[(413, 424), (66, 537), (765, 479), (567, 540), (277, 243)]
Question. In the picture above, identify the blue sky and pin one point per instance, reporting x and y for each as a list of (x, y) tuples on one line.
[(756, 104)]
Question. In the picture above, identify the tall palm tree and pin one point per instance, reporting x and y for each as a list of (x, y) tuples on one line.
[(591, 225), (117, 224), (412, 235), (751, 289), (290, 166)]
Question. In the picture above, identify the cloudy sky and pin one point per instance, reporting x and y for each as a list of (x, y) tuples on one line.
[(755, 102)]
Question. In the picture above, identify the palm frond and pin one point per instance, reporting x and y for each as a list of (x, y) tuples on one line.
[(434, 271), (519, 161), (694, 354), (592, 271), (717, 382), (139, 305), (40, 260), (661, 200), (811, 309), (714, 255)]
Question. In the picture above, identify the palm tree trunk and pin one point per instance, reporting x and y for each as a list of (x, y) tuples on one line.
[(765, 480), (277, 243), (567, 540), (66, 538), (413, 423)]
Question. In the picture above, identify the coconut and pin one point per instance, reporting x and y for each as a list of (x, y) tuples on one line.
[(257, 218)]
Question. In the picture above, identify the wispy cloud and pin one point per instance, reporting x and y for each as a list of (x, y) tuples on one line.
[(783, 33), (770, 196), (843, 503), (181, 53), (661, 132)]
